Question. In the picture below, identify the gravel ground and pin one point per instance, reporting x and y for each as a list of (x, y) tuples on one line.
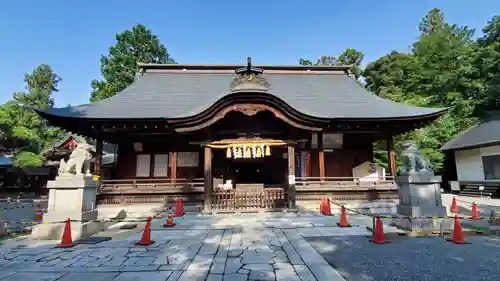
[(407, 259)]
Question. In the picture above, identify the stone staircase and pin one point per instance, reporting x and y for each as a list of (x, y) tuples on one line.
[(473, 191)]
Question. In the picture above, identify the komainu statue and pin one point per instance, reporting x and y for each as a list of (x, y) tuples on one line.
[(413, 161), (78, 162)]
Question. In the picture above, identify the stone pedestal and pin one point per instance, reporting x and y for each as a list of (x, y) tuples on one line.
[(420, 196), (73, 197)]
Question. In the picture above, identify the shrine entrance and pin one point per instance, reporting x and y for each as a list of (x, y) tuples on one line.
[(254, 161), (249, 173), (268, 171)]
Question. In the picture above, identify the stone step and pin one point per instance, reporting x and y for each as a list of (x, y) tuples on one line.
[(476, 194), (491, 190)]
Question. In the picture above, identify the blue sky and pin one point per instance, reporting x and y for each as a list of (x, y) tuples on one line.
[(71, 35)]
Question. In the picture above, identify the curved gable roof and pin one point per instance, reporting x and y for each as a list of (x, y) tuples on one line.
[(172, 92)]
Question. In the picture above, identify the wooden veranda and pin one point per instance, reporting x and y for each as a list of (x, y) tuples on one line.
[(246, 197)]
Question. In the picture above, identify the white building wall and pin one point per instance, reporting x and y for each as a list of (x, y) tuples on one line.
[(469, 163)]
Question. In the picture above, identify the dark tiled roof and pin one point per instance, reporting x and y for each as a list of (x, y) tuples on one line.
[(481, 135), (323, 92)]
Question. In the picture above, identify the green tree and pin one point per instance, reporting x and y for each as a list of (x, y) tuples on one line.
[(438, 72), (23, 133), (487, 62), (305, 62), (350, 57), (354, 58), (119, 67), (432, 22)]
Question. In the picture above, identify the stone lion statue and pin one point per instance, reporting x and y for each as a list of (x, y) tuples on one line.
[(78, 162), (413, 161)]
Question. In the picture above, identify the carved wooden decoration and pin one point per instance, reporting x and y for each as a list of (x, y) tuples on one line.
[(251, 81), (249, 78), (249, 111)]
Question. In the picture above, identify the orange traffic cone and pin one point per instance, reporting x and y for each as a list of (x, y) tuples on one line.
[(475, 212), (170, 221), (66, 240), (38, 213), (454, 208), (179, 208), (458, 235), (343, 219), (378, 235), (327, 211), (146, 235), (322, 206)]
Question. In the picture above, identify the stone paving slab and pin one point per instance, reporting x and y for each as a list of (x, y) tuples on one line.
[(419, 259), (258, 247), (35, 277), (332, 231)]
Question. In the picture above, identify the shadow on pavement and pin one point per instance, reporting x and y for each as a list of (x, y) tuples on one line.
[(407, 259)]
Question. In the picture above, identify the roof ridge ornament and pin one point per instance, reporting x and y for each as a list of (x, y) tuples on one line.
[(249, 78)]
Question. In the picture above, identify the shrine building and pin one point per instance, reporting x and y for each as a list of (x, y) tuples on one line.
[(238, 138)]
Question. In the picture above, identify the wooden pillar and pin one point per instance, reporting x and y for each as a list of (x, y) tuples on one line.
[(307, 161), (173, 166), (391, 158), (98, 157), (321, 156), (291, 178), (207, 203)]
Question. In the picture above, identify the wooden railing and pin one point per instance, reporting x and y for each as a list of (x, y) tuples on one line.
[(236, 199), (345, 188), (145, 186), (344, 183), (134, 191)]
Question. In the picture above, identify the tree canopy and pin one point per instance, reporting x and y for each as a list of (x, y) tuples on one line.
[(349, 57), (446, 67), (24, 134), (119, 67)]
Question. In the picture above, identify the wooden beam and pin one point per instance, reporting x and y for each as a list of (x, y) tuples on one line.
[(391, 157), (151, 165), (207, 204), (291, 160), (173, 166), (98, 157), (321, 156), (291, 178)]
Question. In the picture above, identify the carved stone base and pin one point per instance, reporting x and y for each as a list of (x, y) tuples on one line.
[(54, 224), (70, 197), (421, 211), (55, 231), (423, 225)]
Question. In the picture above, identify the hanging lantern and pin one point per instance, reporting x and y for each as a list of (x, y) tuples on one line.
[(268, 151), (228, 153)]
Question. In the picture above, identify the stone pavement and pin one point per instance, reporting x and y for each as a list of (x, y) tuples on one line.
[(216, 248), (406, 259), (464, 204)]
